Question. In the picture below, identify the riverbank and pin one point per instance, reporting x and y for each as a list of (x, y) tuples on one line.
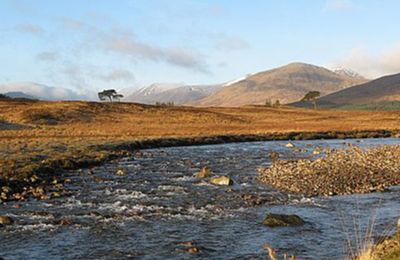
[(40, 140), (346, 171)]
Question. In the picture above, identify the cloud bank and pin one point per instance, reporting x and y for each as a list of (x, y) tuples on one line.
[(372, 65), (125, 43)]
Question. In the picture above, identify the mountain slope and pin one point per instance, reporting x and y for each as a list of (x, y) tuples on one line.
[(287, 84), (178, 94), (384, 89)]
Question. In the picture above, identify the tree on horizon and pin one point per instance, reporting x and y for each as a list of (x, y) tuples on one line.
[(111, 94), (312, 96)]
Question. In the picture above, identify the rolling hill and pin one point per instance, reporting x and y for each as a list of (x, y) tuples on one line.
[(286, 84), (384, 89)]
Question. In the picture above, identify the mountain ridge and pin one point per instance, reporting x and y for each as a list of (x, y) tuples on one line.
[(287, 84)]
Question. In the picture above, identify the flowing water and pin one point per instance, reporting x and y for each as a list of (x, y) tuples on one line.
[(159, 203)]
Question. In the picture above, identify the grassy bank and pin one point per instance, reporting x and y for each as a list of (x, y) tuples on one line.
[(39, 140)]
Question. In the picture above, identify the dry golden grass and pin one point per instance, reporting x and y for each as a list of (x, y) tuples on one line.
[(70, 129)]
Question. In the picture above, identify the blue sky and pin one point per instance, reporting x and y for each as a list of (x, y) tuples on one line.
[(93, 44)]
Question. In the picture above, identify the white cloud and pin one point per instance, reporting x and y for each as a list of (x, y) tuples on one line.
[(72, 24), (47, 56), (118, 75), (126, 44), (29, 28), (338, 5), (227, 43), (372, 65)]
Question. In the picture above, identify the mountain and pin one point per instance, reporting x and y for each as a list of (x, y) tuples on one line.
[(19, 94), (177, 93), (348, 73), (43, 92), (385, 89), (287, 84)]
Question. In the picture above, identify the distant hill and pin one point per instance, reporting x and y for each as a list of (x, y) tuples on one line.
[(177, 93), (385, 89), (19, 94), (43, 92), (286, 84)]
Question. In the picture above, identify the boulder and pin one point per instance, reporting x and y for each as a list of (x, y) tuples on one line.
[(223, 180), (120, 172), (289, 145), (281, 220), (205, 172), (6, 220)]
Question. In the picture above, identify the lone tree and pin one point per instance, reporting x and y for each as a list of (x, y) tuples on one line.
[(111, 94), (312, 96)]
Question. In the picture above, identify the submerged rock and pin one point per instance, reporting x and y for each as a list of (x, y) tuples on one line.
[(6, 220), (274, 155), (205, 172), (65, 222), (281, 220), (223, 180)]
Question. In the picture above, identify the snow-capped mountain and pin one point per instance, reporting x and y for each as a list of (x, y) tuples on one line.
[(347, 72), (177, 93), (236, 80), (158, 88)]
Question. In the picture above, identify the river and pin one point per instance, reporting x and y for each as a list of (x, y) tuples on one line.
[(158, 204)]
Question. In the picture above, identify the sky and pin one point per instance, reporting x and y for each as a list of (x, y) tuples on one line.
[(88, 45)]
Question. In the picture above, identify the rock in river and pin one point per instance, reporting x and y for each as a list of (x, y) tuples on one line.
[(205, 172), (290, 145), (120, 172), (5, 220), (281, 220), (223, 180)]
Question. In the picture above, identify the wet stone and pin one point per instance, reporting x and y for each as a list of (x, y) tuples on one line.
[(281, 220), (6, 220), (223, 181)]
